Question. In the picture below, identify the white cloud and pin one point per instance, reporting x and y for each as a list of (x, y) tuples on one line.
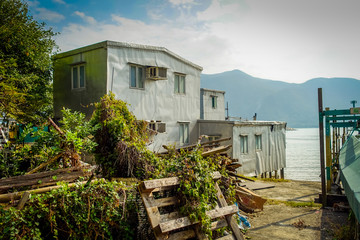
[(60, 1), (33, 3), (87, 19), (281, 39), (181, 2), (47, 15)]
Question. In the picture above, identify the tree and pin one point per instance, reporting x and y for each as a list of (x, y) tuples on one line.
[(25, 64)]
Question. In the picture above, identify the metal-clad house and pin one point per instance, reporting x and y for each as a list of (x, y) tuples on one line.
[(164, 89), (159, 85), (258, 145)]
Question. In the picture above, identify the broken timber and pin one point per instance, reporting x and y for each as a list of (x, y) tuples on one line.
[(249, 199), (171, 225)]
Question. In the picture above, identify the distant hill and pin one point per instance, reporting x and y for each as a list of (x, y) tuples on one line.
[(295, 104)]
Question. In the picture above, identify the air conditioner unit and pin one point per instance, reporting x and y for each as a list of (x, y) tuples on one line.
[(156, 73)]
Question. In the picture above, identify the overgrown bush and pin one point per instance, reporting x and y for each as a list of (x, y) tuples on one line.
[(100, 210), (121, 139), (18, 158)]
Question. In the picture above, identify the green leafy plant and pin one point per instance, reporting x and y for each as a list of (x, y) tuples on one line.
[(100, 210), (18, 158), (121, 139)]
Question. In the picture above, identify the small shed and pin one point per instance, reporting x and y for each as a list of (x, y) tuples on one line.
[(212, 104), (258, 145)]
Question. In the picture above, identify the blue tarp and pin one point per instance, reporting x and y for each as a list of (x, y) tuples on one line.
[(349, 161)]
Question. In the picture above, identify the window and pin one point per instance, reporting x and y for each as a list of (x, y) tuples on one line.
[(179, 84), (214, 101), (258, 142), (184, 132), (78, 76), (244, 144), (136, 77)]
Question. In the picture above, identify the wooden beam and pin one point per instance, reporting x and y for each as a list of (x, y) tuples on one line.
[(168, 182), (41, 166), (239, 176), (17, 195), (230, 219), (23, 200), (216, 150)]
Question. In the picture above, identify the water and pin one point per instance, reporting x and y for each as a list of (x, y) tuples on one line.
[(302, 154)]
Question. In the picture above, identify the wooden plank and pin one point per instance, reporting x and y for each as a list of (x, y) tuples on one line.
[(199, 234), (230, 219), (239, 176), (43, 179), (153, 212), (250, 199), (175, 224), (182, 235), (227, 237), (257, 185), (163, 202), (23, 200), (216, 150), (17, 195), (41, 166), (167, 183), (218, 224), (223, 211), (185, 221), (169, 216), (163, 182)]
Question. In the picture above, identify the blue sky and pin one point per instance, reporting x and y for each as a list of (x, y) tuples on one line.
[(286, 40)]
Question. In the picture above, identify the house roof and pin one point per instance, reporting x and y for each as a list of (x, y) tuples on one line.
[(244, 122), (113, 44), (212, 90)]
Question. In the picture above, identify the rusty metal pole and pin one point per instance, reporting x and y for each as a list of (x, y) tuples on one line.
[(322, 155), (328, 153)]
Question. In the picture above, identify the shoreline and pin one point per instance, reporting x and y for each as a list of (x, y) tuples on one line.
[(281, 221)]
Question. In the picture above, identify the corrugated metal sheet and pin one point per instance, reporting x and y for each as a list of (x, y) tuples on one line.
[(350, 173)]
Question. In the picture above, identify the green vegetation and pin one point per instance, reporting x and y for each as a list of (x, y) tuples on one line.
[(118, 141), (93, 211), (293, 203), (274, 180), (18, 158), (25, 64)]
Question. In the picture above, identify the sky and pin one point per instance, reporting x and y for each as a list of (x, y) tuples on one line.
[(285, 40)]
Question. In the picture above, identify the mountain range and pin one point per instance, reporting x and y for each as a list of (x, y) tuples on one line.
[(296, 104)]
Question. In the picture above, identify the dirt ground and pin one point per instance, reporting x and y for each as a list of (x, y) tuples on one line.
[(280, 221)]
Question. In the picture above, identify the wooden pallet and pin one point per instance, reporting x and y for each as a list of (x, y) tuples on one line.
[(158, 194)]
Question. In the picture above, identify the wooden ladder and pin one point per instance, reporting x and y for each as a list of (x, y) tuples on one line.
[(158, 194)]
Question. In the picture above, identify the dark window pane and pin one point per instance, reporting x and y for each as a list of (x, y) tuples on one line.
[(82, 76)]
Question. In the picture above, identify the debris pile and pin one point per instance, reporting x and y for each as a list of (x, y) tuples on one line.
[(193, 191)]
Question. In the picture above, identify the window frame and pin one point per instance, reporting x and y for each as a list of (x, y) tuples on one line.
[(137, 80), (178, 84), (258, 143), (244, 144), (182, 132), (214, 101), (78, 68)]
